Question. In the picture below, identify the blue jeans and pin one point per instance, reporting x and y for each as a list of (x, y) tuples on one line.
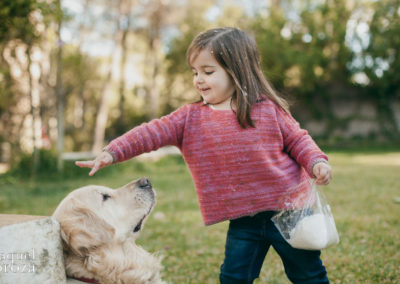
[(247, 244)]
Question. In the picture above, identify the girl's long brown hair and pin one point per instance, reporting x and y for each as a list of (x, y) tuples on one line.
[(237, 53)]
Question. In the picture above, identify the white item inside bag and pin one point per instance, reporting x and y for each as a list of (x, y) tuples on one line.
[(314, 232)]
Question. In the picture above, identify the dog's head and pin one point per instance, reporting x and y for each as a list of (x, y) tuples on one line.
[(94, 215)]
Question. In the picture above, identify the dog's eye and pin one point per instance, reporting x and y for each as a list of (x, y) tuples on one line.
[(106, 196)]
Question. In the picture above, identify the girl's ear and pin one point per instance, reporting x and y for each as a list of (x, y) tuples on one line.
[(84, 230)]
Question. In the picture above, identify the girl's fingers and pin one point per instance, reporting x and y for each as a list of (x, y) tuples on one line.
[(101, 161), (324, 179), (323, 182), (98, 164), (323, 174), (85, 164), (93, 171), (316, 172)]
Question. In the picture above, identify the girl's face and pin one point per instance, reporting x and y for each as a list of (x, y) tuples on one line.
[(211, 80)]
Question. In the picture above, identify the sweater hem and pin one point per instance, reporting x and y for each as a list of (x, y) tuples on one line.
[(209, 223)]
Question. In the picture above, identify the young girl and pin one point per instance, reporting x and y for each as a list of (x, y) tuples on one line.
[(244, 150)]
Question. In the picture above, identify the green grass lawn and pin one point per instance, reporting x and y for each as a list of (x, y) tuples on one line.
[(364, 196)]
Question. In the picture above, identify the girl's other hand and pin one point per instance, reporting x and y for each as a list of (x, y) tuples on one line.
[(323, 173), (102, 160)]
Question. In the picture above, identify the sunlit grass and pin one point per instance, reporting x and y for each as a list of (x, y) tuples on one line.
[(363, 196)]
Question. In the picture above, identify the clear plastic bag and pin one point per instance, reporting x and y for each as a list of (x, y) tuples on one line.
[(311, 227)]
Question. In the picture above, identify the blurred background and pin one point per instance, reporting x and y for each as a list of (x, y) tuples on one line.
[(75, 74)]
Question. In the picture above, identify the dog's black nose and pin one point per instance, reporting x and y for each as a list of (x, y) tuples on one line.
[(144, 183)]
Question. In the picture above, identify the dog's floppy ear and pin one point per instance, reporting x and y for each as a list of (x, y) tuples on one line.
[(84, 230)]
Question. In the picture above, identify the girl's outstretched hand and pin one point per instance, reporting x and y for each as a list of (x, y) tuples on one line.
[(323, 173), (102, 160)]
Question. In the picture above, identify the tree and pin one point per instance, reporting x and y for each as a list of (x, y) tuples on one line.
[(22, 26), (381, 63), (59, 94), (304, 54), (119, 38)]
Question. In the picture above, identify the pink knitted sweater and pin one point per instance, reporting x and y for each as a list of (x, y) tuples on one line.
[(237, 172)]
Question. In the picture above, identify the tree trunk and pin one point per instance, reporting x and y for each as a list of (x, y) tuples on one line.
[(102, 114), (154, 93), (80, 105), (60, 98), (125, 10), (34, 94), (155, 24)]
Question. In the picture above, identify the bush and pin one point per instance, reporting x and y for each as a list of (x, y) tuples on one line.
[(46, 166), (47, 163)]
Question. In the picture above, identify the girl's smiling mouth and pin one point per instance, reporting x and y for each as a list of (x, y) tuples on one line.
[(204, 89)]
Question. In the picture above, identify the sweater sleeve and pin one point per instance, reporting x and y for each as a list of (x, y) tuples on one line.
[(298, 143), (168, 130)]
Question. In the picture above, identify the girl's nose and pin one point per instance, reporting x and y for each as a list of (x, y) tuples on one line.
[(199, 78)]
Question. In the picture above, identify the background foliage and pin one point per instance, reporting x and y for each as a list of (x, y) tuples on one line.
[(123, 62)]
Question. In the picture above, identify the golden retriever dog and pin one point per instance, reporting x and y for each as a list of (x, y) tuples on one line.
[(99, 227)]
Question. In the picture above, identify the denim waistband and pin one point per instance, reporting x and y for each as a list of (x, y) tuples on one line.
[(265, 215)]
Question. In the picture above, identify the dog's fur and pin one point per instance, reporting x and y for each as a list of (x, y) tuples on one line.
[(99, 227)]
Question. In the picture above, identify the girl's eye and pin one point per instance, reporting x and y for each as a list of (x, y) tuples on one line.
[(209, 72), (106, 196)]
